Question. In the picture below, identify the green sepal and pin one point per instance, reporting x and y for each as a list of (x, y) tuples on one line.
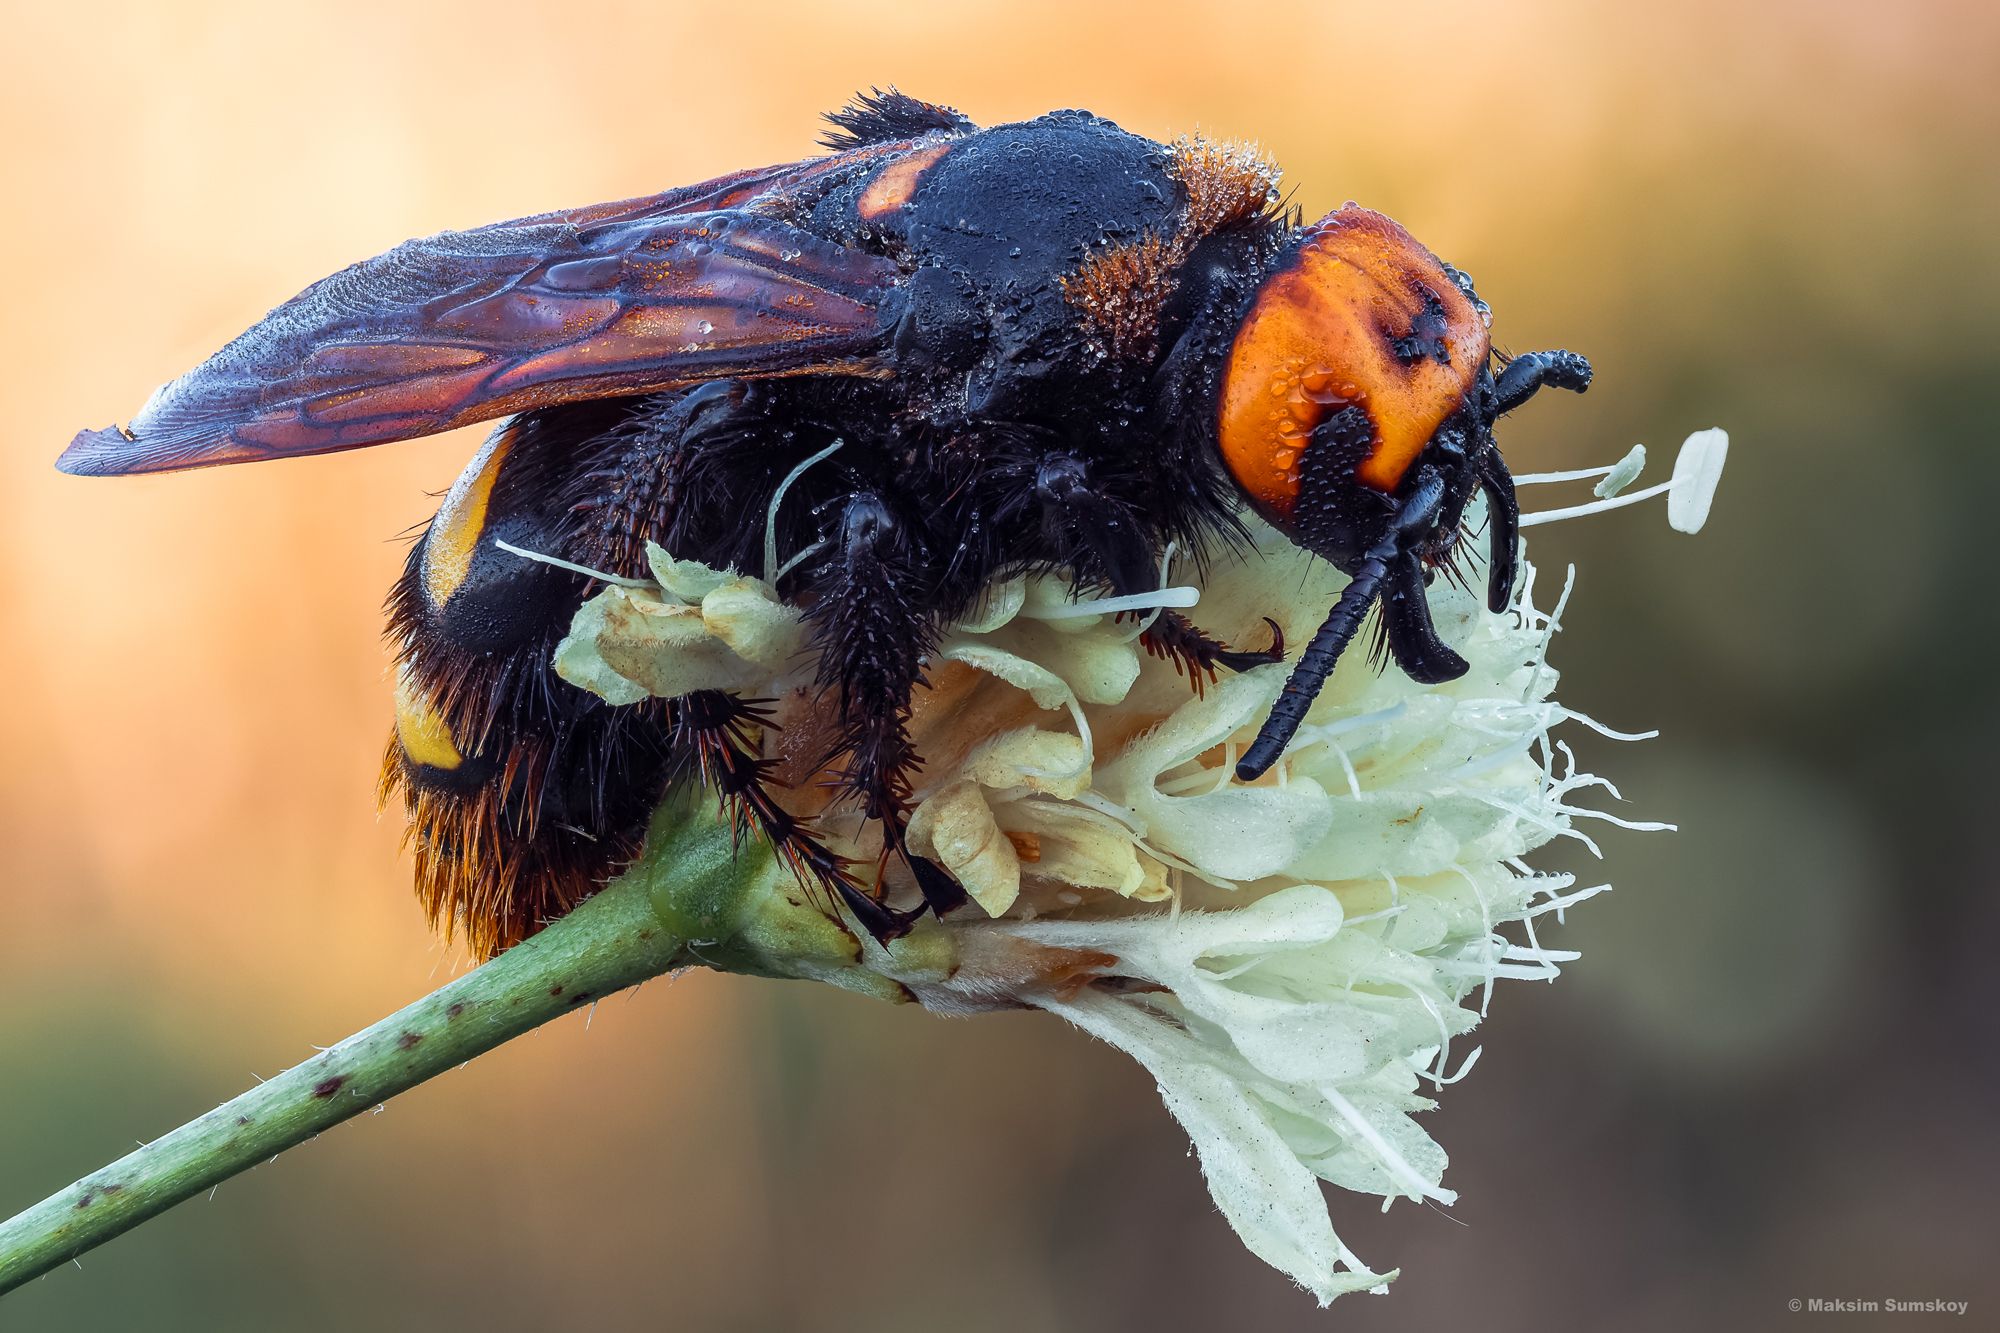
[(741, 910)]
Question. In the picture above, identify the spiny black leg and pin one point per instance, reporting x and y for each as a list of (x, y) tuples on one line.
[(1503, 518), (712, 728), (1534, 370), (875, 634), (1100, 539), (639, 493), (1414, 518), (1413, 638), (1174, 638)]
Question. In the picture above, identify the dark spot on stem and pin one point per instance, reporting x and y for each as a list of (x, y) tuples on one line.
[(556, 989), (577, 998), (90, 1195), (326, 1087), (242, 1119), (454, 1011), (408, 1039)]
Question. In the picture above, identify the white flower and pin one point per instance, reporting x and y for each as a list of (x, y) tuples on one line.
[(1292, 959)]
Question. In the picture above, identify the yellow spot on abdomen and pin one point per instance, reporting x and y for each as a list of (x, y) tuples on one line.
[(454, 533), (421, 730)]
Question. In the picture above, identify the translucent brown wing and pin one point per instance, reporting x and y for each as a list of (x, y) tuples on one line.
[(614, 299)]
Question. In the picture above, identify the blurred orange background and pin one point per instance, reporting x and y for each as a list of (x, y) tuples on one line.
[(1772, 1073)]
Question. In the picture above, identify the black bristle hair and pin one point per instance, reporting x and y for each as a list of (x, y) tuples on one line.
[(883, 116)]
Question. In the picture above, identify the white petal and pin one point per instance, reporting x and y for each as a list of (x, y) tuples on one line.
[(1078, 848), (1256, 1179), (666, 647), (1240, 834), (688, 580), (1232, 833), (1098, 668), (1000, 604), (1197, 726), (757, 627), (578, 661), (1042, 685), (956, 828), (1051, 763)]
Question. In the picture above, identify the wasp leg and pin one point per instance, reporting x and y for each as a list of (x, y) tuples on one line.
[(1099, 537), (1096, 535), (713, 731), (1174, 638), (637, 493), (875, 634), (1535, 370)]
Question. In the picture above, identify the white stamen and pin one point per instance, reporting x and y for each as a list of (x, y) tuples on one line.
[(1551, 626), (799, 559), (571, 566), (1463, 1069), (1551, 478), (1561, 903), (1622, 474), (1690, 492), (1625, 469), (1392, 1161), (1166, 563), (1106, 606), (778, 498), (1608, 732), (1594, 507)]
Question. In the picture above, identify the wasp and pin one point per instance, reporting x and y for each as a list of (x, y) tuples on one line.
[(1052, 345)]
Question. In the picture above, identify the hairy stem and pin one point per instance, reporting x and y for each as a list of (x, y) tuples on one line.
[(613, 941)]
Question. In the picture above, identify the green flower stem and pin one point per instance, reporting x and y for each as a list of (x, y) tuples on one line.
[(615, 940)]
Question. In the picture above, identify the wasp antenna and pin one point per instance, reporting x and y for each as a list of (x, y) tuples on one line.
[(1314, 665), (1535, 370), (1414, 517)]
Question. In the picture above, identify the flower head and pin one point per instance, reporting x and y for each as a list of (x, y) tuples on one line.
[(1297, 960)]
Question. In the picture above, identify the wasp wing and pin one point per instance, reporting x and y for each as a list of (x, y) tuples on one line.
[(625, 298)]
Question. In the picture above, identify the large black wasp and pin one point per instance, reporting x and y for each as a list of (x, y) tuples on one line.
[(1050, 345)]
